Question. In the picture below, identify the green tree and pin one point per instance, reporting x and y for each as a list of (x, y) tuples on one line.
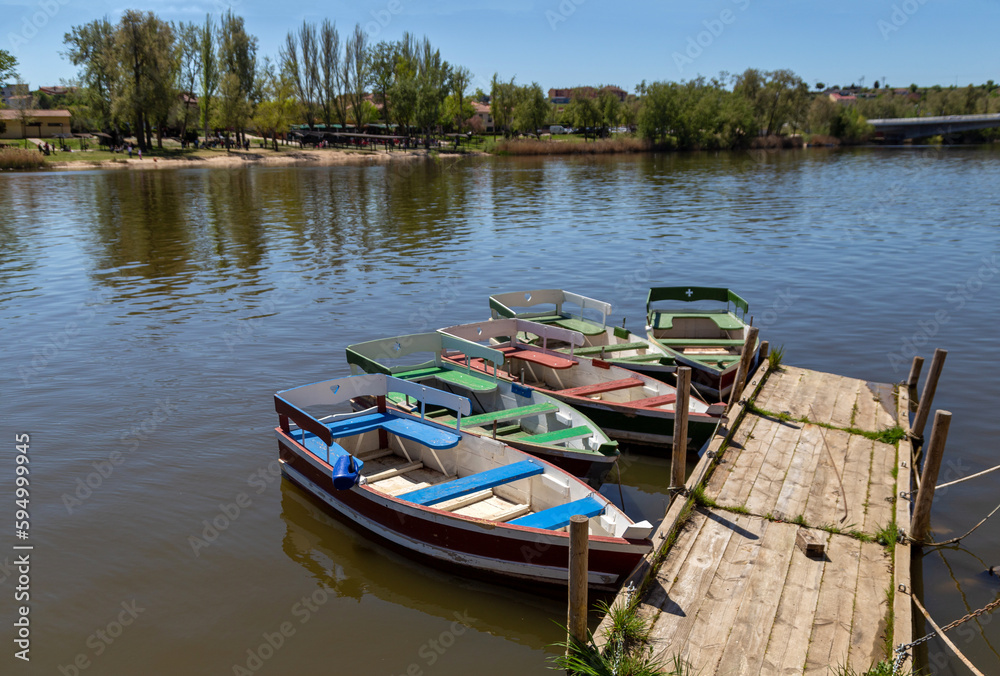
[(403, 91), (432, 87), (331, 89), (584, 112), (304, 68), (189, 49), (531, 110), (91, 47), (503, 98), (208, 68), (357, 77), (144, 48), (276, 111), (777, 98), (238, 57), (382, 59), (459, 82), (609, 109), (8, 66)]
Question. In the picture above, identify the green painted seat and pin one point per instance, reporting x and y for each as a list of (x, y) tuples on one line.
[(699, 342), (558, 436), (460, 378), (509, 414), (664, 321)]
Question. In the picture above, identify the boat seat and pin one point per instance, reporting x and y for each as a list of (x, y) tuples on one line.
[(700, 342), (466, 380), (664, 321), (508, 414), (652, 402), (620, 347), (556, 517), (394, 472), (407, 428), (545, 359), (317, 446), (600, 388), (559, 436), (584, 326), (649, 356), (473, 483)]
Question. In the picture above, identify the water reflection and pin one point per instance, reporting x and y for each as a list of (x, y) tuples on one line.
[(343, 559)]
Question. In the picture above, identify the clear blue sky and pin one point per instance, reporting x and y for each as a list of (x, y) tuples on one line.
[(564, 43)]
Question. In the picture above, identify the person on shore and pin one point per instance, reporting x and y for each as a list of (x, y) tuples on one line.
[(130, 151), (140, 153)]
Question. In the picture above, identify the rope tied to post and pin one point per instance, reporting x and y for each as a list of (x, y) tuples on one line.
[(902, 650), (954, 540)]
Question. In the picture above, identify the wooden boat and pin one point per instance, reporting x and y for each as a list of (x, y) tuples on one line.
[(614, 344), (707, 337), (525, 418), (629, 406), (443, 494)]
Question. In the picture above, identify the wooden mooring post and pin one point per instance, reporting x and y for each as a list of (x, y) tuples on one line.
[(921, 522), (678, 460), (579, 542), (741, 374), (927, 396), (914, 377)]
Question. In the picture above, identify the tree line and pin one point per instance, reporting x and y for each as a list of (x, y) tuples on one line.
[(141, 75)]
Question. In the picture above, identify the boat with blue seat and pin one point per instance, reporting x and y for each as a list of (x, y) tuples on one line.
[(523, 417), (441, 493)]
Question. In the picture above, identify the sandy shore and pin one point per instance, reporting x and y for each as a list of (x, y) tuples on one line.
[(269, 158)]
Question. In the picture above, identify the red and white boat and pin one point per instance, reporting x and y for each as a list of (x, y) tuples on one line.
[(443, 494)]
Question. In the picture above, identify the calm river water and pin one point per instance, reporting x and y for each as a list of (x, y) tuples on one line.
[(148, 316)]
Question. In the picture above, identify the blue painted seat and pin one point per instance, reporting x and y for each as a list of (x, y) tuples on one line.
[(467, 485), (408, 428), (316, 445), (559, 516)]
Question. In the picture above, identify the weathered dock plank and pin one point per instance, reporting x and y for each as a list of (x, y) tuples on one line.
[(737, 594)]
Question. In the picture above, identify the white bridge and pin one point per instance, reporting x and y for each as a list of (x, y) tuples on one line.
[(904, 128)]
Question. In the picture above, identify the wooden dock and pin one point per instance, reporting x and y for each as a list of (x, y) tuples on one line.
[(736, 592)]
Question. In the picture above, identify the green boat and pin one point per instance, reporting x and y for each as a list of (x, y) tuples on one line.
[(519, 416), (629, 406), (702, 327), (614, 344)]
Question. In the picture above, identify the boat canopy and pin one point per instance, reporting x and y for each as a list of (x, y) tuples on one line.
[(690, 294), (505, 304)]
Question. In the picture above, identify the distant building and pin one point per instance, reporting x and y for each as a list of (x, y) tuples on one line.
[(40, 123), (846, 99), (57, 90), (482, 111), (563, 96), (14, 91)]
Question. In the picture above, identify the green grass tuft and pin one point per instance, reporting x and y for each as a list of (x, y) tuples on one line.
[(701, 499), (887, 535), (774, 358)]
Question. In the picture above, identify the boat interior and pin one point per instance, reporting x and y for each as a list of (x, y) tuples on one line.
[(474, 476), (509, 410)]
